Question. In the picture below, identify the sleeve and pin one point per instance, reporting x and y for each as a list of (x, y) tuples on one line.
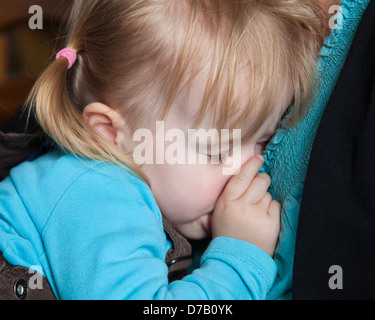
[(104, 242)]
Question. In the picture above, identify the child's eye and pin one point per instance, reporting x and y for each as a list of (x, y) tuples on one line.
[(217, 158), (214, 159)]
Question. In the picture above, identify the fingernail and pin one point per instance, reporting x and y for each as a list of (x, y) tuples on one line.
[(260, 157)]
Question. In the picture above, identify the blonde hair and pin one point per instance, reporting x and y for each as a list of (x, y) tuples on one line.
[(138, 55)]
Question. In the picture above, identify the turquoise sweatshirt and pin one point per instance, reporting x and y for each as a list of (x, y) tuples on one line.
[(95, 231)]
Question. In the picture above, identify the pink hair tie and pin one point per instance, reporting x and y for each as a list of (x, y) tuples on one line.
[(68, 54)]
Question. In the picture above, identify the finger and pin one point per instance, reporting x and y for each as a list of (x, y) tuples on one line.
[(258, 188), (239, 183)]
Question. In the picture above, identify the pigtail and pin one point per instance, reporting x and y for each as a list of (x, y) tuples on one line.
[(62, 119)]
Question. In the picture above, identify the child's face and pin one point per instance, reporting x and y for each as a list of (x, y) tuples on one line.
[(187, 193)]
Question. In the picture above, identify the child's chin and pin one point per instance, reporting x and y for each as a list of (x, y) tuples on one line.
[(197, 236)]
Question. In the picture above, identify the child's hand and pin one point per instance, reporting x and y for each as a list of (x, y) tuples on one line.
[(246, 211)]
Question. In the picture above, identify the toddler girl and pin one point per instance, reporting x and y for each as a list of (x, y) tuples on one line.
[(100, 225)]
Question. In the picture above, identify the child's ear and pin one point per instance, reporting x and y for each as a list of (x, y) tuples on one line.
[(104, 120)]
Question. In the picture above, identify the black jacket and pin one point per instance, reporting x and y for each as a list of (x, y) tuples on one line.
[(335, 249)]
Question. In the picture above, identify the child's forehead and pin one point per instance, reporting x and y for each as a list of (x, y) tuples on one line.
[(199, 87), (246, 111)]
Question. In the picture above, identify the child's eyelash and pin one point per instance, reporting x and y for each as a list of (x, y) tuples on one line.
[(220, 157)]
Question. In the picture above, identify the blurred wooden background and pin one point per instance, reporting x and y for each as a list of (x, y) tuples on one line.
[(24, 52)]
